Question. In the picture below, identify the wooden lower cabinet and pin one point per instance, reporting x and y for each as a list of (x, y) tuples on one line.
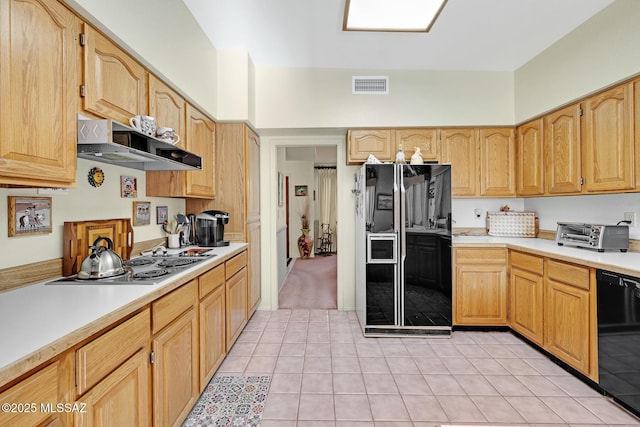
[(49, 386), (121, 399), (480, 286), (212, 323), (567, 314), (175, 358), (254, 288), (526, 295), (236, 305)]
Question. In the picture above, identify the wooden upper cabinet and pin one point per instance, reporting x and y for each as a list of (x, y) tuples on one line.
[(562, 151), (201, 140), (425, 139), (167, 106), (636, 128), (497, 162), (362, 142), (114, 83), (199, 137), (608, 145), (460, 148), (252, 170), (530, 159), (39, 84)]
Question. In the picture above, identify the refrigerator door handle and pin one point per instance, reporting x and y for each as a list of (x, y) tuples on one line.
[(402, 246)]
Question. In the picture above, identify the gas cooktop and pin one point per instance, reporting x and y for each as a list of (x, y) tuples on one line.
[(145, 270)]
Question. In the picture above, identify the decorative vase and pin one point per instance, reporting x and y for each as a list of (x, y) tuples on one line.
[(305, 244)]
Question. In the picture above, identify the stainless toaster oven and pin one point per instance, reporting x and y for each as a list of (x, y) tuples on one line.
[(593, 236)]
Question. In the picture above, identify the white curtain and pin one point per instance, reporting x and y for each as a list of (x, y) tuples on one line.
[(417, 199), (327, 190)]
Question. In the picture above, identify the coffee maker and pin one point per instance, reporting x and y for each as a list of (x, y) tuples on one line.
[(210, 228)]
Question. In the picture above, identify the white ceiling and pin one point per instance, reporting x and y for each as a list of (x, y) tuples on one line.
[(488, 35)]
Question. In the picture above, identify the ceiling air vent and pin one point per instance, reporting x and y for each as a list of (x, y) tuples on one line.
[(374, 85)]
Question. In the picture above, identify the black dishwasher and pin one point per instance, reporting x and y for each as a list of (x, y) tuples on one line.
[(619, 337)]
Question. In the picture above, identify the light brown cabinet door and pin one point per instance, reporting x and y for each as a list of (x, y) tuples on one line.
[(121, 399), (255, 282), (252, 169), (363, 142), (212, 338), (527, 290), (43, 387), (201, 140), (568, 314), (530, 159), (567, 323), (167, 106), (425, 139), (481, 295), (175, 370), (562, 151), (608, 146), (236, 305), (459, 147), (114, 83), (497, 162), (480, 286), (39, 84), (636, 127)]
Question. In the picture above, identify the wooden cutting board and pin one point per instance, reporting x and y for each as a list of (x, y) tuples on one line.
[(79, 235)]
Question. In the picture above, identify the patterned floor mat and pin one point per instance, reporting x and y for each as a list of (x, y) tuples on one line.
[(230, 401)]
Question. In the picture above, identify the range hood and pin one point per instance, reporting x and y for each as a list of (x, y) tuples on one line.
[(111, 142)]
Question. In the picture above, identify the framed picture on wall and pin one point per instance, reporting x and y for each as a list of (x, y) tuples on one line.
[(384, 202), (300, 190), (29, 215), (141, 213), (162, 214), (128, 186)]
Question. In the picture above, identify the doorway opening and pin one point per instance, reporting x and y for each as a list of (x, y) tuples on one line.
[(309, 212)]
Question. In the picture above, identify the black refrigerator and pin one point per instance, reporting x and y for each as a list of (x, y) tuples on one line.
[(403, 249)]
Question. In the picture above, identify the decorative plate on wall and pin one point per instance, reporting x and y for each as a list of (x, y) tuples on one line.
[(96, 177)]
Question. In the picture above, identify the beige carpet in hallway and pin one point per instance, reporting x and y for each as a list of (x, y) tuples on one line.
[(311, 284)]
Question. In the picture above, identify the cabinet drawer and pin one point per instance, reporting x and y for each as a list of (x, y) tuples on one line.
[(570, 274), (527, 262), (101, 356), (235, 264), (39, 388), (481, 255), (211, 280), (170, 306)]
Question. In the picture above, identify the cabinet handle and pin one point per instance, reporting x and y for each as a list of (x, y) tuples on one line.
[(152, 357)]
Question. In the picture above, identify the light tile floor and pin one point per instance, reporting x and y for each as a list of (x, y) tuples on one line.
[(325, 373)]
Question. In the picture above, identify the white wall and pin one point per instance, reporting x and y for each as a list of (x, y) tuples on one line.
[(463, 215), (167, 36), (79, 204), (321, 98), (233, 85), (602, 51)]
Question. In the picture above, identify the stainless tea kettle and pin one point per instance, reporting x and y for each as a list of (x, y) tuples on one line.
[(102, 262)]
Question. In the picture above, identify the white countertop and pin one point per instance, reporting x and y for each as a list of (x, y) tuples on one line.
[(622, 262), (40, 316)]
